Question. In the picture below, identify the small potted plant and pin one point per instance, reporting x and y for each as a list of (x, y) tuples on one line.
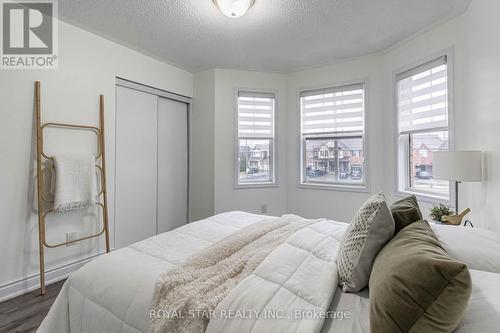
[(438, 211)]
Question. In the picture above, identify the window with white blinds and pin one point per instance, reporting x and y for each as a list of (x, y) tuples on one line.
[(423, 97), (423, 115), (332, 135), (254, 163), (255, 115), (335, 110)]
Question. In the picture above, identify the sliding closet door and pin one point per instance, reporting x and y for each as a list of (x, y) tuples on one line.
[(136, 166), (172, 164)]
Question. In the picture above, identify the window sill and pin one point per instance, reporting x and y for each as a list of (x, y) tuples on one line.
[(424, 197), (255, 185), (335, 187)]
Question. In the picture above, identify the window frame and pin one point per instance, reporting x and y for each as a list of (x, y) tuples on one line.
[(402, 163), (365, 186), (274, 153)]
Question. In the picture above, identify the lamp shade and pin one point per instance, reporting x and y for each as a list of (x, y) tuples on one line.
[(461, 166)]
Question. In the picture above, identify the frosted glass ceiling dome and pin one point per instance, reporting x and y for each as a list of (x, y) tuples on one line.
[(234, 8)]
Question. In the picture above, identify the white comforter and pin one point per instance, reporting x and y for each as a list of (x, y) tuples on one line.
[(113, 292), (291, 289)]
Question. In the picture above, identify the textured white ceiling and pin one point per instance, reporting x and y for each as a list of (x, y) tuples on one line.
[(275, 35)]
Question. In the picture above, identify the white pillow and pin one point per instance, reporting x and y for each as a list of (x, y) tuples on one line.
[(477, 248)]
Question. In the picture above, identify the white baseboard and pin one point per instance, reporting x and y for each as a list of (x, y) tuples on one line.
[(16, 288)]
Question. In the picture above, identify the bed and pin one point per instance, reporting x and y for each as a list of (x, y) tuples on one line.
[(113, 292)]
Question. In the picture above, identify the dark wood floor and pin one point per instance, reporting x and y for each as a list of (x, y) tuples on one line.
[(26, 312)]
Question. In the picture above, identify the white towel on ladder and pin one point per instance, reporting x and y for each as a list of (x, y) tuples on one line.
[(76, 182)]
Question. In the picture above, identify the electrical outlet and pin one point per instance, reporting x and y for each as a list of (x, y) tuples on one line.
[(70, 236), (263, 209)]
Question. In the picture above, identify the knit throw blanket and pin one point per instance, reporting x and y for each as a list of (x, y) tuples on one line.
[(187, 296)]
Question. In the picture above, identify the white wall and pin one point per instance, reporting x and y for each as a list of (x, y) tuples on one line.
[(226, 197), (479, 119), (476, 49), (88, 66), (202, 146), (338, 205)]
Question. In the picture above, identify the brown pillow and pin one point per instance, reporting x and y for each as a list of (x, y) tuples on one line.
[(415, 286), (405, 212)]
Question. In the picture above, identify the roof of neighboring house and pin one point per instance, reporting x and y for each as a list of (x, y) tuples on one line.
[(351, 144), (344, 144), (261, 147), (245, 149), (430, 141)]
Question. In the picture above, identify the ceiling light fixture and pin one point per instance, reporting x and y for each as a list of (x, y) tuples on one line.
[(234, 8)]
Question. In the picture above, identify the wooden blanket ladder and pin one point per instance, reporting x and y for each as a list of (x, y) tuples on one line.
[(45, 202)]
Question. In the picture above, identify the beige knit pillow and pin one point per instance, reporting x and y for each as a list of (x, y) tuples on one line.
[(370, 229)]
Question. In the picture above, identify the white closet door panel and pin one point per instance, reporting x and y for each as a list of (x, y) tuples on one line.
[(172, 164), (136, 166)]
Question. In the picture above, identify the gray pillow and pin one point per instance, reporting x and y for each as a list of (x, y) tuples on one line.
[(370, 229)]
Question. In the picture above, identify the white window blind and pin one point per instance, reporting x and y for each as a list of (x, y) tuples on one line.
[(333, 111), (423, 97), (255, 115)]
